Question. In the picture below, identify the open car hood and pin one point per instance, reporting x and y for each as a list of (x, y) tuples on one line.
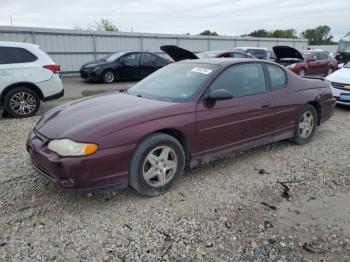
[(178, 53), (285, 52)]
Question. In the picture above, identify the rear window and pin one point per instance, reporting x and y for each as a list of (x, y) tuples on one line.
[(258, 53), (14, 55), (277, 76)]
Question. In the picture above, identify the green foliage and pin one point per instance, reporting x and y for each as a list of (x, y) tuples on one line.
[(288, 33), (319, 35), (106, 25), (209, 33)]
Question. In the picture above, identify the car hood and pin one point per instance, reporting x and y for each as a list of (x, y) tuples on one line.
[(97, 116), (340, 76), (93, 64), (178, 53), (283, 52)]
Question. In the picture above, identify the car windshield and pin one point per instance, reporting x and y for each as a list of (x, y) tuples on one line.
[(207, 55), (112, 57), (347, 65), (177, 82)]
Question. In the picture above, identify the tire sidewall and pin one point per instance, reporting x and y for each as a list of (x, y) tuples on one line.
[(104, 75), (12, 92), (303, 69), (297, 137), (136, 179)]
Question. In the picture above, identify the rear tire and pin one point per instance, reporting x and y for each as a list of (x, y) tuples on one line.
[(108, 77), (22, 102), (305, 127), (156, 165)]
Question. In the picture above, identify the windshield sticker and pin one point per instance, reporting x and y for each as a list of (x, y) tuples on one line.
[(201, 70)]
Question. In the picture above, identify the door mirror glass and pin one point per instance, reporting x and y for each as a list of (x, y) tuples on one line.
[(219, 94)]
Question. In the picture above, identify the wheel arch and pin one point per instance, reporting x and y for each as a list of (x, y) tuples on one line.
[(318, 109), (29, 85), (179, 136)]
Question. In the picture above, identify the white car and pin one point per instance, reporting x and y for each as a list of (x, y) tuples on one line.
[(27, 75), (340, 80)]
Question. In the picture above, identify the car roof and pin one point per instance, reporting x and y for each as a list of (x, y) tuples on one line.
[(221, 61), (251, 47), (17, 44)]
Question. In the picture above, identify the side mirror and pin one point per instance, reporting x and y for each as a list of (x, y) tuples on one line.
[(219, 94)]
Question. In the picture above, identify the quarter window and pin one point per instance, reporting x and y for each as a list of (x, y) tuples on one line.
[(16, 55), (241, 80), (277, 76)]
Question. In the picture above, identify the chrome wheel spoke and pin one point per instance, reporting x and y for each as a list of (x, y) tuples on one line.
[(160, 166)]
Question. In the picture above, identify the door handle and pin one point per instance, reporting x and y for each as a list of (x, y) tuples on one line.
[(265, 105)]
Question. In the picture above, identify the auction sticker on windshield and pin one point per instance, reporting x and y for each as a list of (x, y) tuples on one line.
[(201, 70)]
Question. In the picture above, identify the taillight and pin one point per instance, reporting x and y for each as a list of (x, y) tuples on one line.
[(54, 68)]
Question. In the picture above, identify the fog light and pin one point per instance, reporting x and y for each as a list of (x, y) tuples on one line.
[(67, 182)]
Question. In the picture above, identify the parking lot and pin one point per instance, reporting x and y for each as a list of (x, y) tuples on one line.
[(279, 202)]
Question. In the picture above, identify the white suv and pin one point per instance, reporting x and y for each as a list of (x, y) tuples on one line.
[(27, 75)]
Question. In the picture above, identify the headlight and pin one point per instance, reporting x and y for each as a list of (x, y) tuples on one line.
[(292, 66), (67, 147)]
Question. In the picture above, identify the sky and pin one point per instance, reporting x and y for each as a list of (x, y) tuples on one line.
[(227, 17)]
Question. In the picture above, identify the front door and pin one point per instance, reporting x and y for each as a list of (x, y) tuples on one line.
[(246, 118), (129, 66), (148, 64)]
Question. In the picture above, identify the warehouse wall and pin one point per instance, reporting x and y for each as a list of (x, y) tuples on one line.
[(72, 48)]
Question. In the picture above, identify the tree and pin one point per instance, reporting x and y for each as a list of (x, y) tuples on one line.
[(106, 25), (259, 33), (279, 33), (209, 33), (319, 35)]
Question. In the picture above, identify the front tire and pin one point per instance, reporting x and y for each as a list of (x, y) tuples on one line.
[(302, 72), (306, 125), (108, 77), (156, 165), (22, 102)]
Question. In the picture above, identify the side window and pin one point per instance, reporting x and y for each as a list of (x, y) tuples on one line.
[(237, 55), (19, 55), (130, 60), (323, 56), (225, 55), (3, 59), (241, 80), (277, 76), (148, 59)]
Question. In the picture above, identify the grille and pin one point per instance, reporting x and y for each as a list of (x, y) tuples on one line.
[(341, 86)]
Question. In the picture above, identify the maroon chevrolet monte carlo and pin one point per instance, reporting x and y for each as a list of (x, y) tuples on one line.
[(183, 115)]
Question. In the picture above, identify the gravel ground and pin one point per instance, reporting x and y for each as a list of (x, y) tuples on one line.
[(233, 209)]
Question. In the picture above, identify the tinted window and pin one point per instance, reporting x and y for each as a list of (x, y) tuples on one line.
[(322, 56), (18, 55), (112, 57), (241, 80), (175, 82), (277, 76), (130, 60), (3, 59), (148, 59)]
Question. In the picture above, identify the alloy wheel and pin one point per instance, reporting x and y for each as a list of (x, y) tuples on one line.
[(306, 124), (302, 72), (160, 166), (23, 103), (109, 77)]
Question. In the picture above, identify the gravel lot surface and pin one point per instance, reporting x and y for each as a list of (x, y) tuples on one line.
[(234, 209)]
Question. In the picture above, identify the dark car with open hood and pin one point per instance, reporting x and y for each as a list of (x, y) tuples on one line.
[(183, 115), (123, 65)]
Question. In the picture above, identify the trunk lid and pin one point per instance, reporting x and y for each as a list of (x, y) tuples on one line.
[(178, 53)]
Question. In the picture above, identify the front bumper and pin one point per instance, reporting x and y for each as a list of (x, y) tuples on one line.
[(89, 74), (338, 94), (106, 168)]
